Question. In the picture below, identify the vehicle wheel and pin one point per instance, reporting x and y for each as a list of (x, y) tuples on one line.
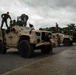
[(25, 49), (2, 48), (43, 49), (49, 49), (66, 42), (71, 43), (46, 49)]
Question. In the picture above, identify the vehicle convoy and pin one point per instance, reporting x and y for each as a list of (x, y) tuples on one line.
[(25, 39), (66, 40)]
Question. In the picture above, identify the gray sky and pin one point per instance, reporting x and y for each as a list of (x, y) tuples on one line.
[(42, 13)]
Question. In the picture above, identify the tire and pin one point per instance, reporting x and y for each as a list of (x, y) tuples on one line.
[(46, 49), (66, 42), (2, 48), (49, 49), (71, 43), (25, 49), (43, 49)]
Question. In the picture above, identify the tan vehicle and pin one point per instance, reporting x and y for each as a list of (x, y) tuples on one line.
[(66, 40), (25, 40)]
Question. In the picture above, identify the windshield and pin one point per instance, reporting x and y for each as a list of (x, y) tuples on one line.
[(25, 28)]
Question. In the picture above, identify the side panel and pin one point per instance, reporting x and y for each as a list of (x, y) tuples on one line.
[(11, 39), (0, 34)]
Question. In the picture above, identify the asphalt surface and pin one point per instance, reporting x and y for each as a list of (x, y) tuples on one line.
[(62, 63), (12, 60)]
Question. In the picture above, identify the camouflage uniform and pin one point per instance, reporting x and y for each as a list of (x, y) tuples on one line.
[(58, 40)]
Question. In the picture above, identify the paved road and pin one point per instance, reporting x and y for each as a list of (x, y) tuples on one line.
[(13, 60), (63, 63)]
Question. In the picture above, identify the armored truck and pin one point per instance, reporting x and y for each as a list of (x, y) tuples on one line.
[(25, 39), (66, 40)]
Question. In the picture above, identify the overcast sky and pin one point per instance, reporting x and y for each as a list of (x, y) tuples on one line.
[(42, 13)]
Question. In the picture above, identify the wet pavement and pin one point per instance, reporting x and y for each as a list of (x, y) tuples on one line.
[(63, 63)]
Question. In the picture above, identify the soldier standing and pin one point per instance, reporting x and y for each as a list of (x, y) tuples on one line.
[(56, 27), (4, 19), (24, 19), (58, 39)]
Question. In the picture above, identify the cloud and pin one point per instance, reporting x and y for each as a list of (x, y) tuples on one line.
[(66, 3), (42, 13), (50, 3)]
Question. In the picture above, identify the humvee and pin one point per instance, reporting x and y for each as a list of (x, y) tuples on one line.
[(25, 39), (66, 40)]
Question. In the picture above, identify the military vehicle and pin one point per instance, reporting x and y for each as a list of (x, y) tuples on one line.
[(25, 39), (66, 40)]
